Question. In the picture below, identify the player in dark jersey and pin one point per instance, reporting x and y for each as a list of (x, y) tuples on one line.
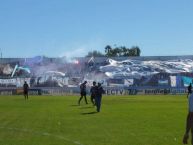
[(93, 91), (189, 89), (83, 92), (25, 90), (100, 91)]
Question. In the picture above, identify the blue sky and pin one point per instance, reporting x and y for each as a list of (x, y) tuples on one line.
[(73, 27)]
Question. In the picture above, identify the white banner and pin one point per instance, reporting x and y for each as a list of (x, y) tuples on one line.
[(7, 81), (18, 82), (162, 82), (128, 82), (173, 81)]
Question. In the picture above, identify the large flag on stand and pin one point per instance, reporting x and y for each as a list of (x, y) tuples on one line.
[(26, 69)]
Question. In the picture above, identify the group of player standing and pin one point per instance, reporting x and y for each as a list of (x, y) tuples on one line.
[(96, 92)]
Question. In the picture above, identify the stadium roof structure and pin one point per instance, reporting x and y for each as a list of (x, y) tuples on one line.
[(145, 66), (142, 58)]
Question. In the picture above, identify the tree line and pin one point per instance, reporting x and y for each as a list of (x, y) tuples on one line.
[(117, 51)]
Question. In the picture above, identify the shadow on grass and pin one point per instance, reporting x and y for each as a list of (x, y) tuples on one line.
[(87, 107), (89, 113), (74, 105)]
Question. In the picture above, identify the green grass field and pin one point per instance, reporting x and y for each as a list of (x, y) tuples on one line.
[(123, 120)]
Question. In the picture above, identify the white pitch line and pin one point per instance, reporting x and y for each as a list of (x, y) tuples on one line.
[(42, 133)]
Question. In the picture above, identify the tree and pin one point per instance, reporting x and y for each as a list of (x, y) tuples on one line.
[(135, 51), (138, 51), (109, 51), (95, 54), (122, 51)]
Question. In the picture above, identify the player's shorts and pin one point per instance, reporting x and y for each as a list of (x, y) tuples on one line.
[(25, 92), (83, 93), (92, 96)]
